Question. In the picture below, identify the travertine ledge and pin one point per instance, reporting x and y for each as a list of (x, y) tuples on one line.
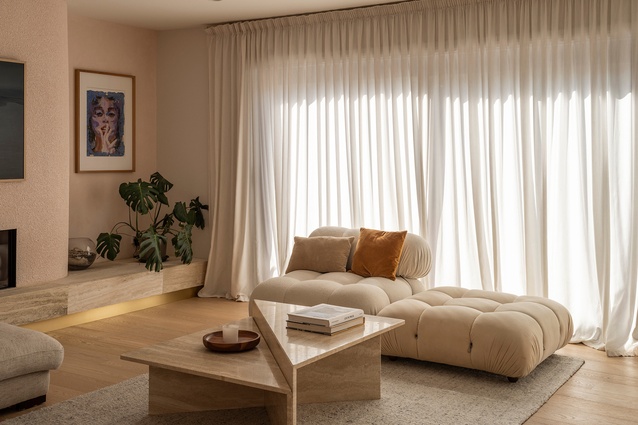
[(104, 283)]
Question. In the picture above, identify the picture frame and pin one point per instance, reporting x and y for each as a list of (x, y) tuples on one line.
[(105, 122), (12, 127)]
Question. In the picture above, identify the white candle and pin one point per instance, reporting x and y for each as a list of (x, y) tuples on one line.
[(230, 333)]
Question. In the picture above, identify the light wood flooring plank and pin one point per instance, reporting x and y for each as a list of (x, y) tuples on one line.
[(603, 391)]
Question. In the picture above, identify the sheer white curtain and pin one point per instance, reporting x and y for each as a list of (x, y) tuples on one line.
[(502, 131)]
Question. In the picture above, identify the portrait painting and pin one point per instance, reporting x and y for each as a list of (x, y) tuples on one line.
[(105, 115), (105, 123)]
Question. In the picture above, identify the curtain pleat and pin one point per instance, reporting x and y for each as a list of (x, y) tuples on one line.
[(502, 131)]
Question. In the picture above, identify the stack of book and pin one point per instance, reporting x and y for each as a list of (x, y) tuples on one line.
[(325, 319)]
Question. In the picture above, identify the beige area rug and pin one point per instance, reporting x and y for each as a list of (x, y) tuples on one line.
[(412, 392)]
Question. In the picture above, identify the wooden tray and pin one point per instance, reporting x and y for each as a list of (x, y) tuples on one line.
[(248, 340)]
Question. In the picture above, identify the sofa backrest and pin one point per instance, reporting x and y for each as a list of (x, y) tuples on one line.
[(416, 258)]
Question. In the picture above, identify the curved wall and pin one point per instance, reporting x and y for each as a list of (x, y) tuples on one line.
[(35, 32)]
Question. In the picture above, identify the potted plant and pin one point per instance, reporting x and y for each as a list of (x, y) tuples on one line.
[(147, 199)]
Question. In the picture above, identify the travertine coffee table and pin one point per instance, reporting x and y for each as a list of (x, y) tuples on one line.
[(287, 368)]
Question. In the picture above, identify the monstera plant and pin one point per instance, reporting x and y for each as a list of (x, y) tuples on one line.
[(149, 228)]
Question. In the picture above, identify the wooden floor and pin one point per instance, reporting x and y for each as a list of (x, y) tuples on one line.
[(603, 391)]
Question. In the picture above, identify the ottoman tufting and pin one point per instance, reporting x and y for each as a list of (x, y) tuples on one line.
[(495, 332), (26, 357)]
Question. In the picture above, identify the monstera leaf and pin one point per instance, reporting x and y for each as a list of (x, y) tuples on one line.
[(150, 249), (140, 196), (108, 245), (162, 185), (195, 211), (180, 213), (183, 243), (192, 215)]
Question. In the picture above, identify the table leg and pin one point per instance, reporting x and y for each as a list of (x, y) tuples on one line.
[(351, 374), (175, 392)]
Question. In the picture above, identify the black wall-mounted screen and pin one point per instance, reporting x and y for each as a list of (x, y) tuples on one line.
[(11, 120)]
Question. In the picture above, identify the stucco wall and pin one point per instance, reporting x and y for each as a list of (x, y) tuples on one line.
[(183, 117), (35, 32), (54, 202), (95, 205)]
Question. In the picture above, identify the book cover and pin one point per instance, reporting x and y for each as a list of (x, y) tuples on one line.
[(326, 330), (325, 314)]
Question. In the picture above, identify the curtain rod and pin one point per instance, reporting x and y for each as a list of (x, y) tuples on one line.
[(294, 15), (432, 3)]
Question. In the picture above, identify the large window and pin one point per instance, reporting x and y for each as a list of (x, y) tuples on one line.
[(503, 132)]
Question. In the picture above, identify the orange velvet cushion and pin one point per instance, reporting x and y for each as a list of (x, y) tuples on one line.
[(378, 253)]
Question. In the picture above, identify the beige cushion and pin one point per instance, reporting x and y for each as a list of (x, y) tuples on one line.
[(24, 351), (321, 254), (416, 258), (339, 231)]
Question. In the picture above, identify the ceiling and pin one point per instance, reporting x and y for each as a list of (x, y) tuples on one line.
[(178, 14)]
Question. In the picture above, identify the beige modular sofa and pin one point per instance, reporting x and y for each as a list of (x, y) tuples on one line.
[(490, 331), (371, 294)]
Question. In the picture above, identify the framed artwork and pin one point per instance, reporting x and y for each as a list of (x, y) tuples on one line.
[(105, 122), (11, 120)]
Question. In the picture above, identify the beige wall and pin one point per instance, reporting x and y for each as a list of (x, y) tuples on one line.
[(95, 205), (54, 202), (182, 111), (35, 32)]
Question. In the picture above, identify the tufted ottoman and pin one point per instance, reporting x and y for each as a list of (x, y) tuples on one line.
[(496, 332), (26, 357)]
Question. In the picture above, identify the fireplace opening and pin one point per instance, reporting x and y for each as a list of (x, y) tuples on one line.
[(8, 258)]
